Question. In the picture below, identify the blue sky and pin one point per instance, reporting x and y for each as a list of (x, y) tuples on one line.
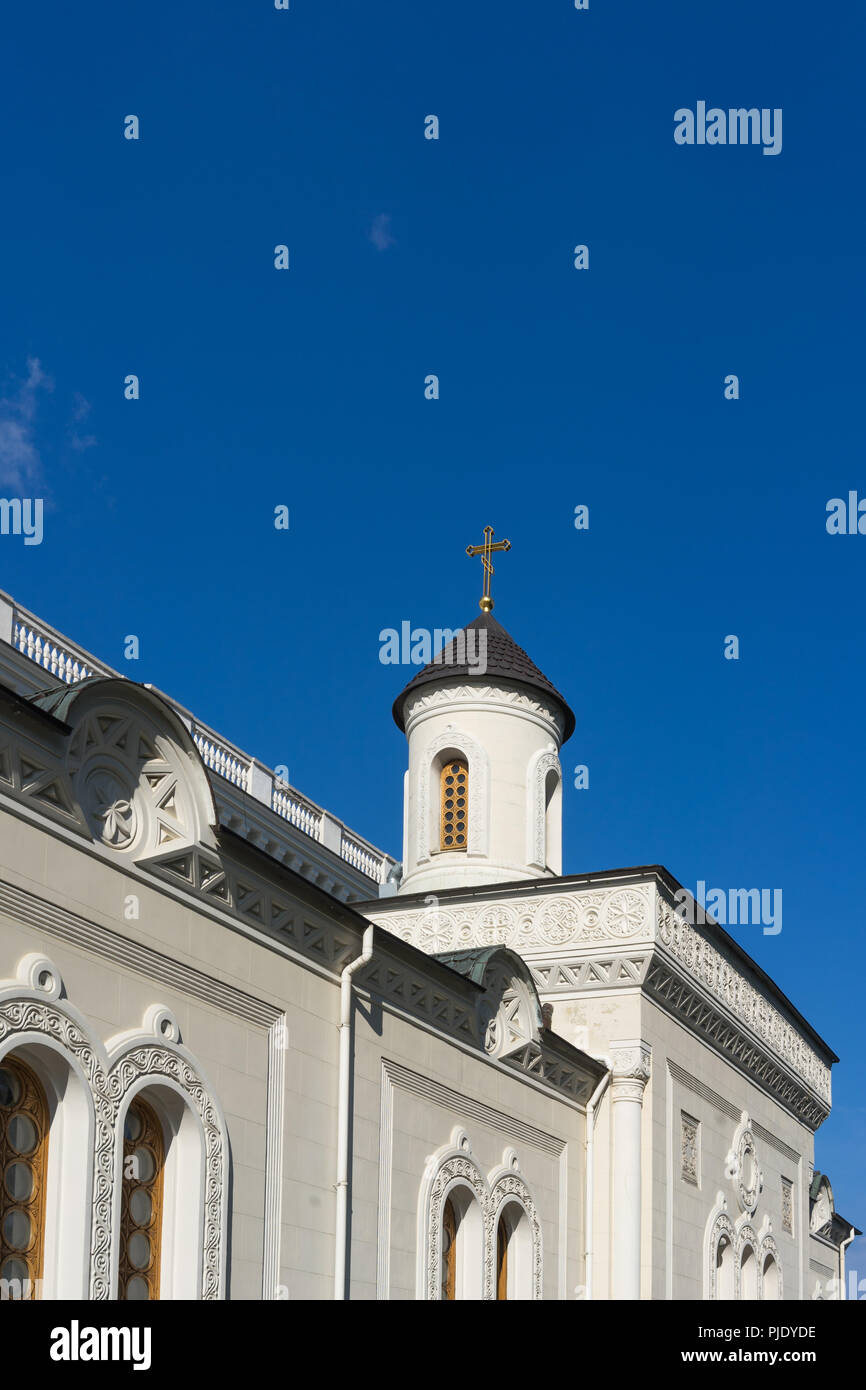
[(557, 387)]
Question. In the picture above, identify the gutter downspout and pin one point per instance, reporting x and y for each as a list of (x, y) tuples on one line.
[(843, 1295), (343, 1096), (589, 1148)]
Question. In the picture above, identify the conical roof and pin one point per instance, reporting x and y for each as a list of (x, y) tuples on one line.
[(504, 659)]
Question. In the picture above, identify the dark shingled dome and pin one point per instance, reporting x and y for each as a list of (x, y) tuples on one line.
[(504, 660)]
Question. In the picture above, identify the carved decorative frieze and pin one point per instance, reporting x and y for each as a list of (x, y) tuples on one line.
[(707, 966), (501, 694), (556, 919)]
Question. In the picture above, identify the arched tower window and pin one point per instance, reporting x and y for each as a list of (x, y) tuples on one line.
[(502, 1259), (23, 1159), (454, 802), (449, 1251), (141, 1216)]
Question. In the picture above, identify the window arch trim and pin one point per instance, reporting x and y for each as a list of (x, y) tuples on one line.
[(541, 765), (454, 1167), (32, 1012), (459, 744)]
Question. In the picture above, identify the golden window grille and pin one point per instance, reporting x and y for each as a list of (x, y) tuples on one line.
[(141, 1218), (23, 1162), (454, 805)]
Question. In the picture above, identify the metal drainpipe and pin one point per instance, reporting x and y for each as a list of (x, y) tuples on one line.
[(589, 1149), (341, 1253), (844, 1294)]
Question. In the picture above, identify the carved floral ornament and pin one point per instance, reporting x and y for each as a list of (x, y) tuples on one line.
[(559, 919), (33, 1012), (632, 1066), (454, 1167)]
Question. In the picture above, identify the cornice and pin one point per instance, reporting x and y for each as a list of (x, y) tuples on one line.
[(626, 936), (498, 697)]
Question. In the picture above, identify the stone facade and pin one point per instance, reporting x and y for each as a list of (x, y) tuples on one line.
[(331, 1067)]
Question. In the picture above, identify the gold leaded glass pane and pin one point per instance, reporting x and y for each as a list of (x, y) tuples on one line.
[(141, 1218), (23, 1156), (454, 810)]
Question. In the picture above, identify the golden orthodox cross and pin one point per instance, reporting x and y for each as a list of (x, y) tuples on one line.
[(485, 603)]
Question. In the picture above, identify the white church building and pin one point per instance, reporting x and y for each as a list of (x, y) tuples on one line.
[(245, 1054)]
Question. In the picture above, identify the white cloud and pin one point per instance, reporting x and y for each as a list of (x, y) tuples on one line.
[(19, 456), (380, 232)]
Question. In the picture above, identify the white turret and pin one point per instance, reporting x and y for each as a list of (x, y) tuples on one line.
[(483, 792)]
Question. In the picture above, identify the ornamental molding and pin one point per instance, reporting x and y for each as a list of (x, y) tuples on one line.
[(591, 973), (32, 1010), (740, 1235), (508, 1012), (139, 788), (540, 764), (426, 802), (694, 957), (503, 696), (631, 1069), (419, 995), (451, 1167), (538, 922), (742, 1167), (680, 996)]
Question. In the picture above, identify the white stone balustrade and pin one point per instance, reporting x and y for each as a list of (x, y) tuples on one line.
[(222, 760), (67, 662), (293, 807)]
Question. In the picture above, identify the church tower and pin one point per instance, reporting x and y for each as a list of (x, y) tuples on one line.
[(483, 790)]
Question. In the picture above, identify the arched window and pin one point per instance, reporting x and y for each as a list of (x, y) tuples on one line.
[(141, 1216), (553, 821), (748, 1274), (454, 802), (449, 1251), (724, 1269), (771, 1279), (502, 1259), (23, 1157)]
